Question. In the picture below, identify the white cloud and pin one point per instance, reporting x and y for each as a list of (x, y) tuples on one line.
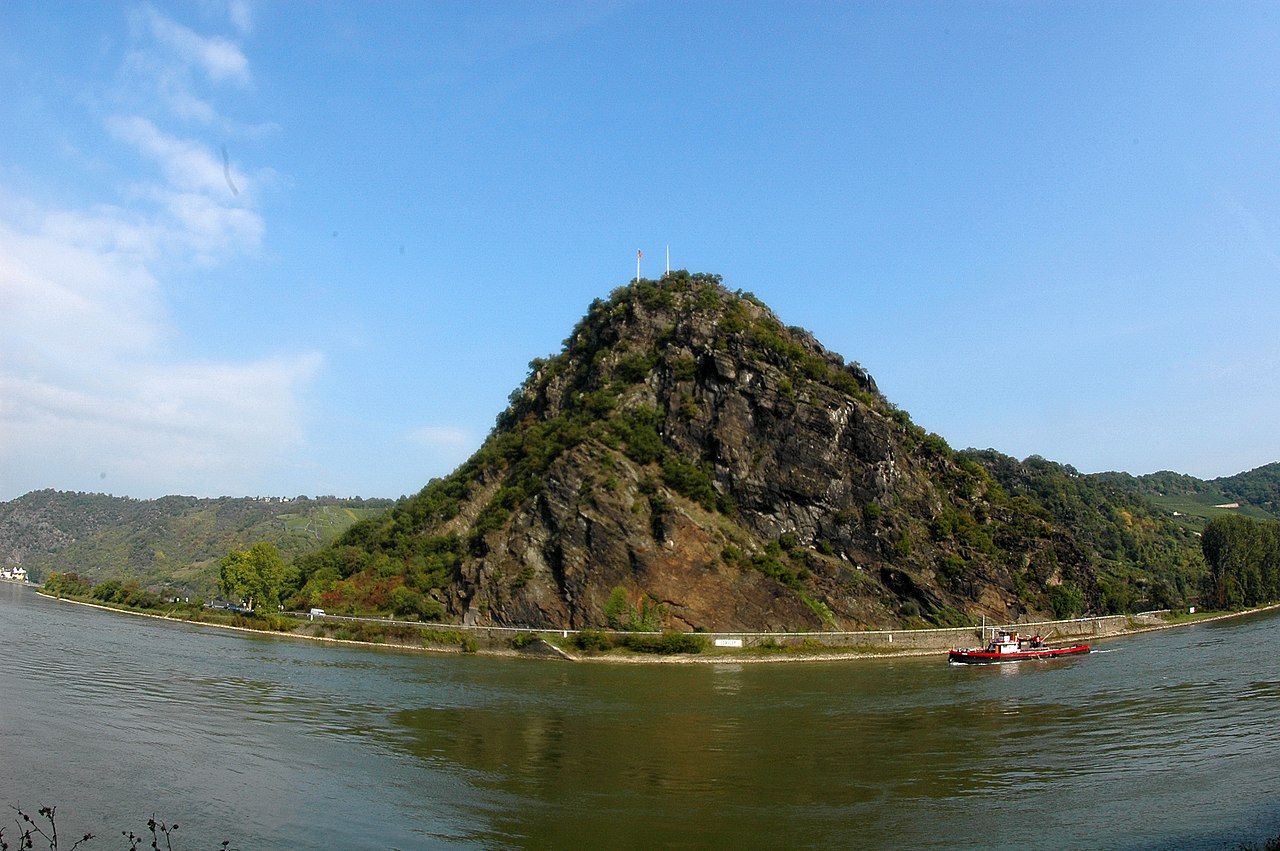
[(186, 164), (205, 197), (104, 229), (70, 291), (87, 384), (442, 437), (220, 59), (443, 447), (211, 229), (184, 104), (241, 15), (172, 66)]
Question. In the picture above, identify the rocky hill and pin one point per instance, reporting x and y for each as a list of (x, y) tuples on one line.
[(172, 543), (690, 462)]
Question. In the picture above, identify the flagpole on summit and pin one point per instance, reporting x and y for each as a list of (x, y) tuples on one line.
[(639, 254)]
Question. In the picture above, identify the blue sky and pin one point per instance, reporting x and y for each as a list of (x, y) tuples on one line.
[(282, 248)]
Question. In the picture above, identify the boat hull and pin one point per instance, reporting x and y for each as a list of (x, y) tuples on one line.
[(987, 657)]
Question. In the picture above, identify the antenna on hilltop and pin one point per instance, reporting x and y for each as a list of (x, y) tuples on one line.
[(639, 254)]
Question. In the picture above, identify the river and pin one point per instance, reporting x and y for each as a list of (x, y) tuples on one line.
[(1162, 740)]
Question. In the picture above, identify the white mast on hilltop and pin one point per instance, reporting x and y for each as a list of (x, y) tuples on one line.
[(639, 254)]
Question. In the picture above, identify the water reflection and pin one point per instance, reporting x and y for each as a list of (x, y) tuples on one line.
[(704, 759), (741, 751)]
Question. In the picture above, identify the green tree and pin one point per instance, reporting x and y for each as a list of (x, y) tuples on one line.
[(407, 603), (1243, 557), (1066, 600), (616, 607), (69, 584), (255, 577), (111, 591)]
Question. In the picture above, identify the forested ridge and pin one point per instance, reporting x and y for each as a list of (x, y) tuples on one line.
[(1254, 493), (170, 544)]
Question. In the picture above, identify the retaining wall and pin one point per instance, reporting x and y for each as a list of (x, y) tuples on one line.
[(494, 637), (944, 639)]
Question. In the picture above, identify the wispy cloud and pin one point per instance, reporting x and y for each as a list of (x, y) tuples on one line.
[(206, 198), (204, 202), (87, 382), (241, 15), (442, 437), (220, 59), (443, 447), (185, 164), (90, 384)]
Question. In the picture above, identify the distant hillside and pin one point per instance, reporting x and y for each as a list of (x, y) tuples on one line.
[(172, 543), (1260, 487), (1146, 558), (1255, 494), (690, 462)]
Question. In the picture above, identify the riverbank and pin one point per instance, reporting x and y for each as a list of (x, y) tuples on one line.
[(831, 655), (716, 648)]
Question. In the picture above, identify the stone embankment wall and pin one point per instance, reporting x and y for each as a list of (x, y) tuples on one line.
[(870, 640), (944, 639)]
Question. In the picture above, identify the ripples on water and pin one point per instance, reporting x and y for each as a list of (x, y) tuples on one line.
[(1163, 741)]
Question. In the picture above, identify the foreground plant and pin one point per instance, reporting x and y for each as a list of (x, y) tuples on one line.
[(31, 832)]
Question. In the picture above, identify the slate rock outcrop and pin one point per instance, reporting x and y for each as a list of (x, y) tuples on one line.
[(689, 462)]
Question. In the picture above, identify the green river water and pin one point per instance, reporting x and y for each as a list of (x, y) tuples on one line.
[(1163, 740)]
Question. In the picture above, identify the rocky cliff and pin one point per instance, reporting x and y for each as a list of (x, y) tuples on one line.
[(689, 462)]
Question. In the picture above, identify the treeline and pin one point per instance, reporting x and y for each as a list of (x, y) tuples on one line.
[(130, 593), (1243, 558), (131, 596)]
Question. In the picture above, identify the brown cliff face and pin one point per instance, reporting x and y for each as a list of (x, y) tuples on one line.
[(688, 462)]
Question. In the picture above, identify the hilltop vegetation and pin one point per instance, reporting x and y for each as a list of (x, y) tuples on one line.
[(1259, 487), (1144, 558)]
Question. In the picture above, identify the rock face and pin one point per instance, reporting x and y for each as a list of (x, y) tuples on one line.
[(689, 462)]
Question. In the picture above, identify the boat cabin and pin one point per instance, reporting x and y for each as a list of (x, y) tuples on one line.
[(1008, 641)]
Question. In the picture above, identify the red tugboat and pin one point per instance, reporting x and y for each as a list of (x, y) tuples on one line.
[(1008, 646)]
